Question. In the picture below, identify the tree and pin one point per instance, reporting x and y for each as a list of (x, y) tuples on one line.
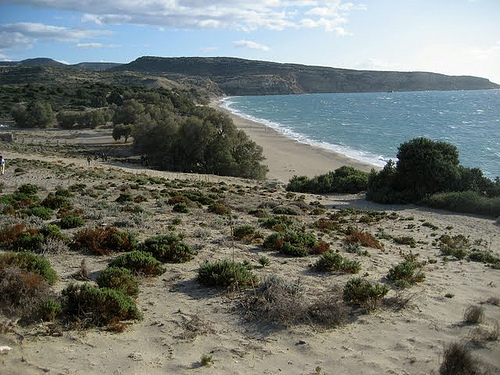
[(36, 115), (122, 130)]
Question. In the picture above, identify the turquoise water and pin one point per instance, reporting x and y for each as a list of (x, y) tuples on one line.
[(370, 126)]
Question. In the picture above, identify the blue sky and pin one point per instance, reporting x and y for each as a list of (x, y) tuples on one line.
[(457, 37)]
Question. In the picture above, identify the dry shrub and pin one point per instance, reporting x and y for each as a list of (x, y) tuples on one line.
[(284, 303), (458, 360), (104, 241), (22, 293), (9, 234), (479, 335), (363, 238), (320, 248), (474, 315), (495, 301)]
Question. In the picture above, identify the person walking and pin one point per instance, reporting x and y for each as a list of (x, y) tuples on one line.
[(2, 165)]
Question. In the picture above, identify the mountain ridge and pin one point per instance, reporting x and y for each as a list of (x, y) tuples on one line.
[(236, 76)]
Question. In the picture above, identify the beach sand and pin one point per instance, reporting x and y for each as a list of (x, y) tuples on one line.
[(184, 320), (286, 157)]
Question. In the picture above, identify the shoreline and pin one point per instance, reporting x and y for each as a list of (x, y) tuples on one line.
[(286, 157)]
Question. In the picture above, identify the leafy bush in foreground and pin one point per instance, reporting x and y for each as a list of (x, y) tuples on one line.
[(331, 261), (139, 262), (407, 273), (99, 306), (104, 241), (29, 262), (342, 180), (119, 278), (226, 273), (364, 292), (168, 248)]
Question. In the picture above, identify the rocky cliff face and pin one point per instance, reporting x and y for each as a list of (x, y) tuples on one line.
[(247, 77)]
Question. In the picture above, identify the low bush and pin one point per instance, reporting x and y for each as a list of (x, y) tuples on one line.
[(43, 213), (22, 293), (456, 246), (291, 242), (29, 240), (457, 359), (405, 240), (29, 262), (407, 273), (331, 261), (104, 241), (474, 314), (49, 310), (363, 238), (342, 180), (55, 201), (98, 306), (219, 208), (466, 202), (277, 223), (168, 248), (28, 189), (226, 273), (69, 222), (118, 278), (139, 262), (360, 291), (355, 248), (487, 257)]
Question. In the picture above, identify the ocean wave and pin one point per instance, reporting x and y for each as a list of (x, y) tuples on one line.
[(359, 155)]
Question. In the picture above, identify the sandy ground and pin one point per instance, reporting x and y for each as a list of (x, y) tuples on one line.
[(184, 320)]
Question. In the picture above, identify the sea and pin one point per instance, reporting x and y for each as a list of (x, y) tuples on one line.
[(369, 127)]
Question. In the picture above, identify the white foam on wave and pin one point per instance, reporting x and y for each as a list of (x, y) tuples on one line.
[(360, 155)]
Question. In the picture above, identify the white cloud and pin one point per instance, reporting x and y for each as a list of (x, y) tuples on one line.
[(96, 45), (373, 63), (24, 35), (208, 49), (250, 44), (219, 14)]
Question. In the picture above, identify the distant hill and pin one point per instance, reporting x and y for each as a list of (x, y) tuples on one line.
[(95, 66), (44, 61), (235, 76)]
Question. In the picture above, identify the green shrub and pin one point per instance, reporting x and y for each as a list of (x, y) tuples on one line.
[(226, 273), (50, 310), (99, 306), (69, 222), (30, 240), (243, 231), (124, 197), (139, 262), (364, 293), (219, 209), (331, 261), (121, 279), (29, 262), (407, 273), (466, 202), (277, 223), (487, 257), (29, 189), (53, 232), (104, 241), (342, 180), (405, 240), (180, 207), (43, 213), (55, 201), (291, 242), (168, 248), (456, 246)]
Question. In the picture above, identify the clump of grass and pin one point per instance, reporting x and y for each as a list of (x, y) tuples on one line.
[(457, 359), (283, 302), (119, 278), (408, 272), (363, 292), (104, 241), (405, 240), (226, 273), (363, 238), (219, 208), (168, 248), (98, 306), (49, 310), (139, 262), (206, 359), (331, 261), (291, 242), (473, 314), (264, 261), (456, 246)]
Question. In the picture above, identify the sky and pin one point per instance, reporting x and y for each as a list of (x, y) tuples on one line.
[(455, 37)]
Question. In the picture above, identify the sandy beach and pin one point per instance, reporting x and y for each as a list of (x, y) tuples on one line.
[(184, 320), (286, 157)]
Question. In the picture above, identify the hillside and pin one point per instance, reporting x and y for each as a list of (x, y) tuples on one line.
[(247, 77)]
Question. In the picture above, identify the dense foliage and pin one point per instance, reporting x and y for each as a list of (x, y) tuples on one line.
[(426, 168), (342, 180)]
